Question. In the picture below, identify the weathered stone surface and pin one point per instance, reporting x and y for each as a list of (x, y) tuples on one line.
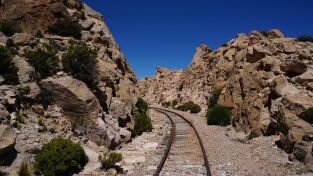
[(7, 139), (3, 39), (21, 38), (33, 15), (73, 96), (303, 151), (25, 71), (293, 67)]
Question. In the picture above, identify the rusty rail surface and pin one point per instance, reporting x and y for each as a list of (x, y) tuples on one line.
[(173, 131)]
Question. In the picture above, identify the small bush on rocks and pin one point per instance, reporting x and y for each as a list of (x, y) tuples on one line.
[(80, 61), (264, 33), (44, 61), (214, 98), (60, 157), (9, 28), (24, 170), (305, 38), (190, 106), (109, 161), (7, 68), (307, 115), (166, 104), (142, 106), (174, 103), (142, 123), (218, 116), (66, 28)]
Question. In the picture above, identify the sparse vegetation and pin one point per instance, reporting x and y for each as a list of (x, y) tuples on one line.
[(45, 97), (264, 33), (305, 38), (214, 97), (21, 117), (224, 44), (142, 106), (66, 28), (44, 61), (218, 116), (60, 157), (77, 122), (80, 61), (24, 170), (40, 122), (189, 106), (307, 115), (174, 103), (142, 123), (109, 160), (166, 104), (79, 15), (7, 68), (9, 28), (78, 5)]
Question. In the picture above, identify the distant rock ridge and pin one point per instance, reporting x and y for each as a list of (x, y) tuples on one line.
[(263, 78)]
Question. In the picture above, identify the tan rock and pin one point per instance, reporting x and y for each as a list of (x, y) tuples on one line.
[(73, 96), (35, 14), (21, 38), (25, 71), (275, 33), (7, 139)]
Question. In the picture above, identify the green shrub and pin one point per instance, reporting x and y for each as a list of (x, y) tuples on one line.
[(7, 68), (9, 28), (109, 161), (174, 103), (305, 38), (80, 61), (24, 170), (60, 157), (45, 97), (142, 106), (224, 44), (189, 106), (21, 117), (66, 28), (307, 115), (44, 61), (218, 116), (166, 104), (142, 123), (214, 97)]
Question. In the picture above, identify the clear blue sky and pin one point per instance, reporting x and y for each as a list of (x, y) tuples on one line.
[(166, 32)]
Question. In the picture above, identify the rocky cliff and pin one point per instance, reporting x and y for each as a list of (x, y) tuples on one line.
[(265, 79), (36, 108)]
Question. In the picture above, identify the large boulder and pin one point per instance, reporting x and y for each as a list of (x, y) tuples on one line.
[(7, 139), (21, 38), (73, 96), (293, 129)]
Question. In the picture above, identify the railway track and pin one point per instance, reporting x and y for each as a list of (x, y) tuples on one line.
[(184, 153)]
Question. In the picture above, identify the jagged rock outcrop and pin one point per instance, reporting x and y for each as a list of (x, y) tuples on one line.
[(257, 76), (106, 106), (182, 85)]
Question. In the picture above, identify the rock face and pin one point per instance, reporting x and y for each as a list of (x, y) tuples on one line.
[(182, 85), (33, 14), (7, 139), (264, 81), (106, 107)]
